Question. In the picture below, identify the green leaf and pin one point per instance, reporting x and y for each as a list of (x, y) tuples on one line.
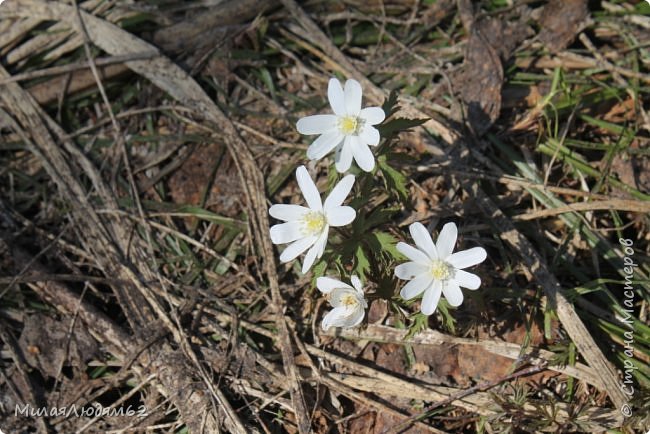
[(390, 106), (381, 215), (420, 323), (448, 321), (319, 270), (386, 243), (395, 180), (204, 214), (397, 125), (362, 263)]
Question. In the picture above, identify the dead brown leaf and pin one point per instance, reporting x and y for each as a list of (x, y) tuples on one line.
[(490, 42), (561, 21), (188, 184), (47, 344)]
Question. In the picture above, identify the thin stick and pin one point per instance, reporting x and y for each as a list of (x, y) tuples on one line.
[(63, 69), (462, 394), (612, 204)]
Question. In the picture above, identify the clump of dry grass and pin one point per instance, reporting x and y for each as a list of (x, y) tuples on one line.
[(136, 178)]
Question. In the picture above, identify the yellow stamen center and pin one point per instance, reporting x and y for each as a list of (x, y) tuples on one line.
[(349, 300), (440, 270), (313, 222), (348, 124)]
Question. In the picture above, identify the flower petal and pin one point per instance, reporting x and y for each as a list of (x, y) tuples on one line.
[(336, 97), (324, 144), (423, 240), (327, 284), (356, 283), (342, 317), (413, 254), (340, 216), (297, 247), (339, 193), (467, 280), (416, 286), (372, 115), (308, 188), (310, 257), (431, 298), (344, 157), (369, 135), (288, 212), (333, 318), (362, 155), (467, 258), (314, 252), (452, 292), (286, 233), (356, 318), (316, 124), (352, 97), (446, 240), (337, 295), (322, 245), (409, 270)]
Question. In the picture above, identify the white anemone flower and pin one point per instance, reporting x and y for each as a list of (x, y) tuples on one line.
[(349, 130), (348, 302), (307, 227), (434, 269)]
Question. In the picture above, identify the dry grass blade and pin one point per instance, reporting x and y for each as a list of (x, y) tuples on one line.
[(566, 312), (169, 77), (103, 240), (378, 333), (136, 266)]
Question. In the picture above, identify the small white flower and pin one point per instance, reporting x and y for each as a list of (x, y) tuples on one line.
[(348, 302), (308, 227), (350, 129), (434, 269)]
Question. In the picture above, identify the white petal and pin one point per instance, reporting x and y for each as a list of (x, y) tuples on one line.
[(452, 292), (337, 317), (413, 254), (372, 115), (356, 318), (467, 258), (352, 97), (324, 144), (446, 240), (308, 188), (340, 216), (416, 286), (332, 318), (467, 280), (362, 155), (314, 252), (369, 135), (431, 298), (338, 293), (344, 157), (336, 97), (339, 193), (297, 247), (310, 257), (423, 240), (288, 212), (327, 284), (286, 233), (409, 270), (316, 124), (356, 283), (323, 243)]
